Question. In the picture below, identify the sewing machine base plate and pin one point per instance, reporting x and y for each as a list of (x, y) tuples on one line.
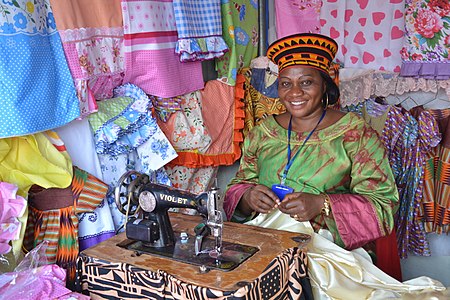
[(232, 255)]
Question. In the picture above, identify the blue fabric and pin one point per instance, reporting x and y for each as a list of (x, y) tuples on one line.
[(37, 92), (257, 81)]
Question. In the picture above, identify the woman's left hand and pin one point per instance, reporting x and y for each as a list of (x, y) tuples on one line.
[(302, 206)]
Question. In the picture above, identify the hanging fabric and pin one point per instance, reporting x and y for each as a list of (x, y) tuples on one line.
[(37, 91)]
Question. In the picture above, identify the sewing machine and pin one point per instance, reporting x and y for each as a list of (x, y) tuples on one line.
[(149, 230)]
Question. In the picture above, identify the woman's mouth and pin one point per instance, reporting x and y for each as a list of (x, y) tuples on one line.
[(298, 103)]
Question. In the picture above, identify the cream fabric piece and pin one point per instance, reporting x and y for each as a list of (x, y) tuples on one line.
[(336, 273)]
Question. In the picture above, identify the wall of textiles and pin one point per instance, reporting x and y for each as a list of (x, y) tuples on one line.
[(92, 89)]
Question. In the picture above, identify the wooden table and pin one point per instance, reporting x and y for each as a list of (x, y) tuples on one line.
[(270, 243)]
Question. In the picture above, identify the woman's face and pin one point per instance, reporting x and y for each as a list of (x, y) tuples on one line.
[(300, 89)]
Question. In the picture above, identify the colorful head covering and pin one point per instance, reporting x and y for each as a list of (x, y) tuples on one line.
[(309, 49)]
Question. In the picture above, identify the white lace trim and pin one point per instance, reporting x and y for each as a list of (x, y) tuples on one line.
[(356, 85), (73, 35)]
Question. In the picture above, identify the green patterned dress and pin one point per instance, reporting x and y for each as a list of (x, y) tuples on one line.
[(345, 160)]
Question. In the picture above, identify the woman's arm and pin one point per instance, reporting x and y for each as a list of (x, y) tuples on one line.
[(366, 213), (245, 196)]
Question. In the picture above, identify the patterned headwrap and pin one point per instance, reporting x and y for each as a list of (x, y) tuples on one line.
[(309, 49)]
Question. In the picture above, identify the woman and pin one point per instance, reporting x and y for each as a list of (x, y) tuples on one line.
[(317, 170)]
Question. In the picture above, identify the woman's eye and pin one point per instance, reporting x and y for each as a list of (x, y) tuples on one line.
[(285, 84), (306, 82)]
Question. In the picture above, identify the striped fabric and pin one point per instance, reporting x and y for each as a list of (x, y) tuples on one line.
[(60, 226), (436, 198), (407, 139)]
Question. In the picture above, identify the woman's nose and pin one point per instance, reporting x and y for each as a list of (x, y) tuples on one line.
[(296, 89)]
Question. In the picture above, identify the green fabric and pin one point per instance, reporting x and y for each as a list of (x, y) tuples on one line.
[(108, 109), (240, 31), (339, 159)]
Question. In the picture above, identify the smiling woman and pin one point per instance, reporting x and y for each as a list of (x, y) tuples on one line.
[(319, 171)]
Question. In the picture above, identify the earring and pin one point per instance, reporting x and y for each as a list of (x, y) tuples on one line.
[(326, 102)]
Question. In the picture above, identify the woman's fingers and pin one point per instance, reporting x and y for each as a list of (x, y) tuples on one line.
[(262, 199)]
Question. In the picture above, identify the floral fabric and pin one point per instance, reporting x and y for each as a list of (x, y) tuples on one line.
[(427, 40), (186, 128), (37, 92), (123, 123), (240, 32), (113, 167), (92, 37)]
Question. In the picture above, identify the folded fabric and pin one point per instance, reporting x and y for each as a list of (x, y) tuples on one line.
[(165, 107), (123, 123)]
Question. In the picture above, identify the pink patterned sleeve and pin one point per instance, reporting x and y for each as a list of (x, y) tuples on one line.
[(233, 196), (356, 219)]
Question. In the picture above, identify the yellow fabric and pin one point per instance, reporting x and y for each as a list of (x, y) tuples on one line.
[(336, 273), (32, 159)]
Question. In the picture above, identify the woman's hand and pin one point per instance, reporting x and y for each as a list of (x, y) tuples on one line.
[(302, 206), (258, 199)]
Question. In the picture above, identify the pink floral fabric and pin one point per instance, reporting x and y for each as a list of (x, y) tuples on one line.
[(92, 38), (427, 39)]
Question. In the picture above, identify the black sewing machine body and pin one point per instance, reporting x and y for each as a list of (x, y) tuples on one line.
[(149, 229), (154, 228)]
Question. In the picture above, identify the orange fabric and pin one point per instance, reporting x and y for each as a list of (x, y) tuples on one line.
[(70, 14), (223, 113)]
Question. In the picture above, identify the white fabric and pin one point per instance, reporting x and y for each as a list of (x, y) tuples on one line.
[(336, 273)]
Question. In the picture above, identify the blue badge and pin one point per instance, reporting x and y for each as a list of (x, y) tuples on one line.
[(281, 190)]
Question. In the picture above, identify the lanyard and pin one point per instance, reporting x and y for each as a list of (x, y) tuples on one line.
[(290, 161)]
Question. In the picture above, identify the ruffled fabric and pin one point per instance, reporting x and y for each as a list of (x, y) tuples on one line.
[(224, 149), (12, 207), (123, 123), (199, 28), (204, 48), (356, 85), (427, 70)]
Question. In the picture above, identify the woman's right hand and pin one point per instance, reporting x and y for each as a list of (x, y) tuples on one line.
[(259, 198)]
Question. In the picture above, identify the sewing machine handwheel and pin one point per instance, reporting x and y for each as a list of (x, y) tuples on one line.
[(124, 193)]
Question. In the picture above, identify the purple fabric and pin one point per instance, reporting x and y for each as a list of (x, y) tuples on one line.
[(233, 196), (356, 219), (428, 70), (87, 242)]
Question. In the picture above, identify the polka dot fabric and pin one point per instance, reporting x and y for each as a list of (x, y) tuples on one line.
[(369, 33), (36, 88)]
